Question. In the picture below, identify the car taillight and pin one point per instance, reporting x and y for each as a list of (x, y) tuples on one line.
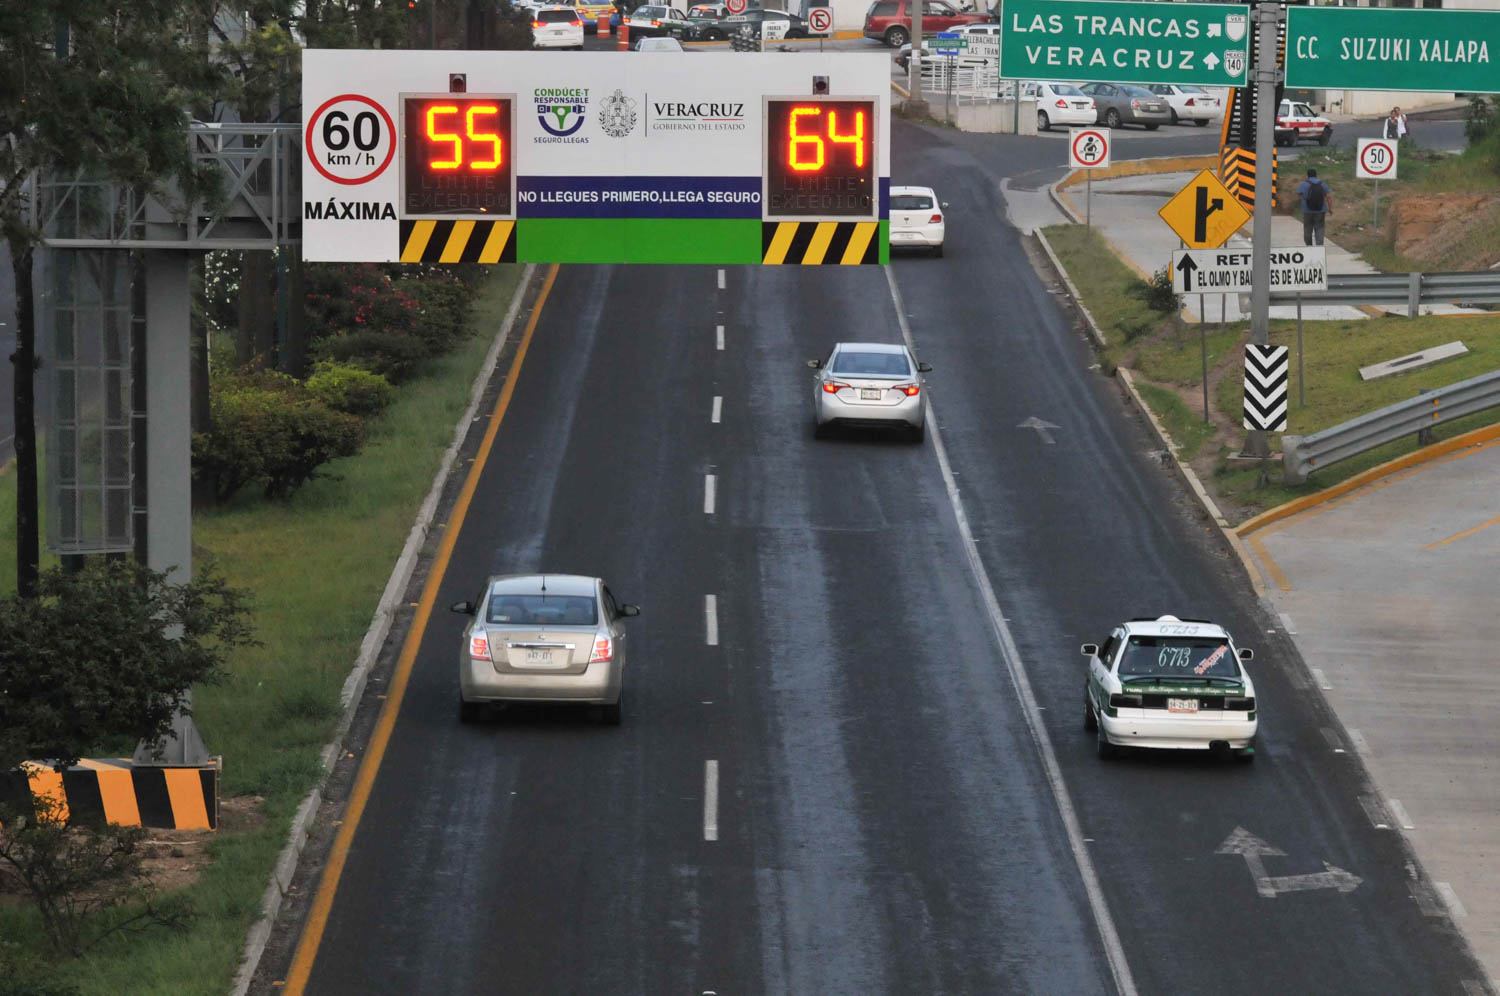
[(479, 647), (604, 651), (910, 390), (1189, 102), (833, 386), (576, 24), (1135, 105), (536, 24), (935, 219), (655, 23), (1246, 704), (1118, 701), (1062, 103)]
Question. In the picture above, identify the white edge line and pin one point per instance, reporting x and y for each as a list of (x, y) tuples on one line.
[(710, 800), (1114, 950), (1450, 897), (719, 336), (380, 626), (1321, 678), (1399, 812), (711, 620), (708, 494), (718, 409)]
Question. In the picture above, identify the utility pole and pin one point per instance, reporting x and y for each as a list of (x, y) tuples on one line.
[(1267, 18), (916, 102)]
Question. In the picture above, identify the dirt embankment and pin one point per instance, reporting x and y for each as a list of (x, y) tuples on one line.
[(1443, 227)]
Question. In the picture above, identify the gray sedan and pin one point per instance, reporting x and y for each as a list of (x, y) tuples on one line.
[(543, 638), (870, 385), (1123, 103)]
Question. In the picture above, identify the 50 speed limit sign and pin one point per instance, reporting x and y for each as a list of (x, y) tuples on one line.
[(1376, 160), (1088, 148), (350, 139)]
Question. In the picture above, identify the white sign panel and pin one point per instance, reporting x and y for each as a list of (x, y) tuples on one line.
[(1376, 159), (1228, 271), (820, 21), (1088, 148)]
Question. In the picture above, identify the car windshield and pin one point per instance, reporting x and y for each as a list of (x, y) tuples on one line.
[(850, 362), (515, 609), (1178, 657), (1065, 90), (910, 202), (554, 16), (1184, 88)]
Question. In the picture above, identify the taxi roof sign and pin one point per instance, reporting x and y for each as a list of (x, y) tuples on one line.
[(1204, 214)]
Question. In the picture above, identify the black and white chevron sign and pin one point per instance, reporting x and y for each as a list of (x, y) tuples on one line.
[(1265, 387)]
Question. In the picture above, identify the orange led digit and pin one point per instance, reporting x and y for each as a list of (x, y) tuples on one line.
[(857, 139), (820, 158), (495, 143), (795, 139), (444, 136)]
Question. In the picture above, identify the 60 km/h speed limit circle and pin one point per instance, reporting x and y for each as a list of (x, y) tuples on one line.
[(1088, 148), (819, 19), (1376, 159), (350, 139)]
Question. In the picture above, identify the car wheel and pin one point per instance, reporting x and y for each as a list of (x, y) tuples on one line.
[(820, 430), (919, 433), (937, 250), (1107, 750), (896, 37), (612, 713), (468, 712), (1326, 137), (1112, 118), (1201, 122), (1173, 112), (1152, 127), (1089, 722), (1043, 123)]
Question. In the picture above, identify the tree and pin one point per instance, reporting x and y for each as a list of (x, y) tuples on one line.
[(102, 88)]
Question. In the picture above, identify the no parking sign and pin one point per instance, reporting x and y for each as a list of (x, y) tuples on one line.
[(820, 20), (1088, 148)]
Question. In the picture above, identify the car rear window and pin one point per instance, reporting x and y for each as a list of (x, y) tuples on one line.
[(542, 610), (855, 363), (1178, 657), (1066, 90), (884, 9), (910, 202), (555, 16)]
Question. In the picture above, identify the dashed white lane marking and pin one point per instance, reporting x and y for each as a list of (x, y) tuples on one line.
[(1399, 812), (1376, 811), (1321, 679), (718, 409), (708, 494), (710, 800), (1451, 898), (719, 336), (1109, 936), (1333, 739), (711, 620), (721, 280), (1286, 622)]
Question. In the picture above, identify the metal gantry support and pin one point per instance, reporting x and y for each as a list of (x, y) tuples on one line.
[(1268, 18)]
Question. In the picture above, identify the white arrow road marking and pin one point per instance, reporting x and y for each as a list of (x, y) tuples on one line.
[(1253, 849), (1043, 428)]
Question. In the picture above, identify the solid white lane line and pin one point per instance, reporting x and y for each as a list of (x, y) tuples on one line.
[(1110, 937), (711, 620), (710, 800), (1321, 678), (721, 280), (1399, 812), (708, 494), (1451, 898), (718, 409), (719, 335)]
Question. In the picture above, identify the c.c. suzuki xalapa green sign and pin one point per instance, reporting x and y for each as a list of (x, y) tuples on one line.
[(1378, 48)]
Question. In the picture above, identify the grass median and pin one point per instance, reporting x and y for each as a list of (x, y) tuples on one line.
[(1168, 365), (316, 567)]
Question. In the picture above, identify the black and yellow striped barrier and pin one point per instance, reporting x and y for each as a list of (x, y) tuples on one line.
[(814, 242), (117, 791), (1237, 172), (458, 241)]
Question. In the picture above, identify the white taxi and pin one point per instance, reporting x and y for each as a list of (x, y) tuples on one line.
[(1296, 122), (1170, 683)]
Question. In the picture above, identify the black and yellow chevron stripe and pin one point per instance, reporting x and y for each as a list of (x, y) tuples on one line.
[(117, 791), (813, 242), (1237, 172), (458, 242)]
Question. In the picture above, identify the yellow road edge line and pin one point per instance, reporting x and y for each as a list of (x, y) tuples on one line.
[(317, 917), (1467, 532), (1272, 567)]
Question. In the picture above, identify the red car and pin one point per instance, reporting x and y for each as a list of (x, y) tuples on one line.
[(890, 20)]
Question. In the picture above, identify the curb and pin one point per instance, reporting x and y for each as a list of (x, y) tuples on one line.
[(1093, 326), (369, 649), (1143, 167)]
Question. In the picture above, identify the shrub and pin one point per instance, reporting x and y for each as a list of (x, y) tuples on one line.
[(1479, 118), (1157, 292), (442, 309), (349, 389), (394, 356)]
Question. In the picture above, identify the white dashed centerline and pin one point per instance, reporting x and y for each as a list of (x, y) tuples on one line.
[(708, 494), (711, 620), (710, 800), (721, 280), (718, 409), (719, 336)]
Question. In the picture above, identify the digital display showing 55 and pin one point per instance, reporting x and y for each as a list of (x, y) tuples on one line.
[(458, 160), (820, 158)]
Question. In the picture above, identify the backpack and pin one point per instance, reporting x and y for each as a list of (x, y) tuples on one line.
[(1315, 197)]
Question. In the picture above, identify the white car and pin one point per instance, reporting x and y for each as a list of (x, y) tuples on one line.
[(870, 385), (1189, 103), (657, 21), (659, 45), (1170, 683), (917, 219), (1296, 121), (1059, 104), (556, 26)]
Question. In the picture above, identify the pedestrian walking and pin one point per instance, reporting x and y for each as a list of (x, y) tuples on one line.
[(1317, 204), (1395, 125)]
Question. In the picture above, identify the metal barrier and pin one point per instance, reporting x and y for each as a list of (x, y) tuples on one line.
[(1301, 455), (969, 81), (1410, 289)]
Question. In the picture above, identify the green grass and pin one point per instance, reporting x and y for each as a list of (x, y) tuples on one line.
[(316, 567), (1107, 290), (1186, 427)]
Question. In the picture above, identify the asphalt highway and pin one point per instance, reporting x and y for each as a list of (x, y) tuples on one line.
[(892, 814)]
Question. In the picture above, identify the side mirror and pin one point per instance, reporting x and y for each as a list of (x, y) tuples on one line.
[(630, 610), (815, 364), (924, 368), (466, 608), (1246, 654), (1089, 650)]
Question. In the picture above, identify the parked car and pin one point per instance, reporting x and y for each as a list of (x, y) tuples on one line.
[(1118, 104), (796, 27), (1059, 103), (890, 20), (652, 21), (657, 45), (556, 27), (872, 385), (1296, 121), (917, 219), (707, 12), (591, 12), (1189, 103)]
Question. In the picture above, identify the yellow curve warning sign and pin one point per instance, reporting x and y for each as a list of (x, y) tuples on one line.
[(1204, 214)]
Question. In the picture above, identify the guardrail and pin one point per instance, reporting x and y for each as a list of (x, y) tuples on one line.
[(1410, 289), (1301, 455)]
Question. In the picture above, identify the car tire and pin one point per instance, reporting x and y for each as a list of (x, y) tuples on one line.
[(1043, 123), (896, 37), (1152, 127), (612, 714), (918, 434), (1107, 750), (1089, 722), (1326, 137), (938, 250), (1201, 122), (1173, 111), (820, 430), (468, 712), (1112, 118)]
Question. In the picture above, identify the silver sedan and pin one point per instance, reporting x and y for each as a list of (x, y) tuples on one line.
[(543, 638), (872, 385)]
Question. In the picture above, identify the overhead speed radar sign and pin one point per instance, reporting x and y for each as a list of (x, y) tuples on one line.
[(350, 139), (1376, 160), (1088, 148)]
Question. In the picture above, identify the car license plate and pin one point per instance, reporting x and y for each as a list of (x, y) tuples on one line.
[(869, 394), (538, 658), (1182, 705)]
